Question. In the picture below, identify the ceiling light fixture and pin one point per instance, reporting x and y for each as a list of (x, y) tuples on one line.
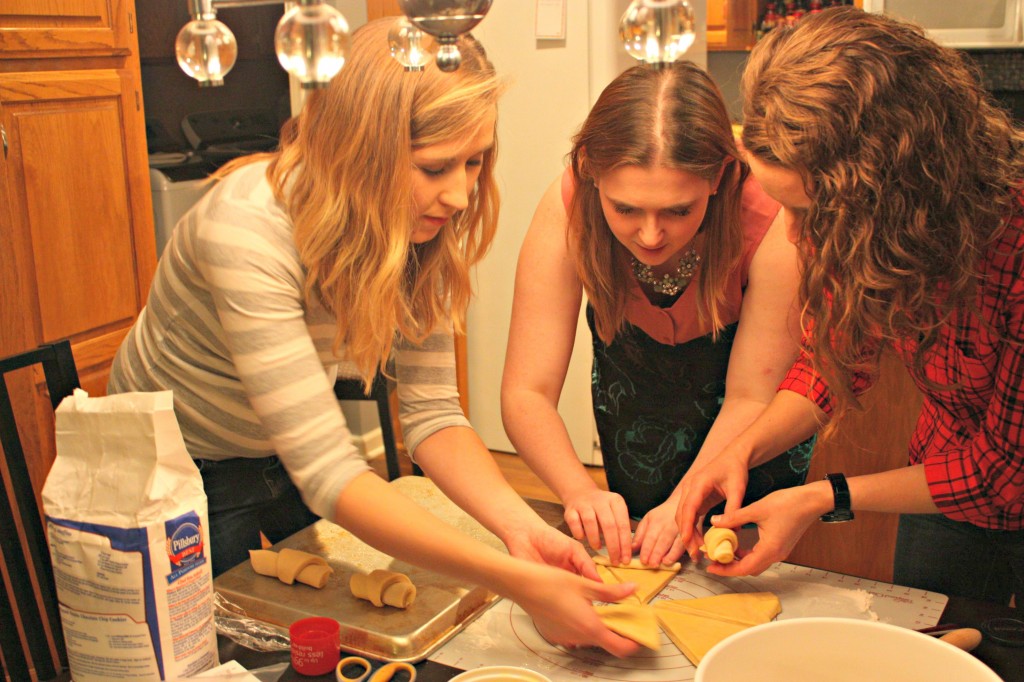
[(312, 38), (406, 43), (445, 20), (206, 48), (311, 41), (657, 32)]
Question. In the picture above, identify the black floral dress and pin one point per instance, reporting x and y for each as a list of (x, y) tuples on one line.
[(654, 405)]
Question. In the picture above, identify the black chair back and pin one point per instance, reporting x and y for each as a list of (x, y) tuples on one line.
[(353, 389), (29, 563)]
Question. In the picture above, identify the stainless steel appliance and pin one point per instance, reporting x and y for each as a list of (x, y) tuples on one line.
[(179, 177), (974, 24)]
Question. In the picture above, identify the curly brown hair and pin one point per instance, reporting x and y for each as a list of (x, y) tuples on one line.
[(674, 118), (912, 170)]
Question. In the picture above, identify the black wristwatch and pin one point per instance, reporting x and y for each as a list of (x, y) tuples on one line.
[(841, 492)]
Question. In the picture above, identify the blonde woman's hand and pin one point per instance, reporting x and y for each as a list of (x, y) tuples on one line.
[(657, 535), (547, 545), (598, 513), (561, 605)]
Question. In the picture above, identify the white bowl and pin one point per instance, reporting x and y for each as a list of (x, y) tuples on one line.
[(837, 650), (500, 673)]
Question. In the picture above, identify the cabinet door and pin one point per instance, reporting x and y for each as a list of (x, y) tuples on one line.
[(79, 209), (875, 439), (375, 9), (41, 29), (731, 24)]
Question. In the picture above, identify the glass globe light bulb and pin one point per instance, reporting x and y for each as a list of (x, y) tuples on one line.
[(406, 43), (206, 50), (312, 42), (657, 32), (446, 20)]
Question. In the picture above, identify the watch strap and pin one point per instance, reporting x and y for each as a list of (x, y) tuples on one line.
[(841, 493)]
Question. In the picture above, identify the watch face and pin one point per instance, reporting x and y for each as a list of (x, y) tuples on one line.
[(837, 516)]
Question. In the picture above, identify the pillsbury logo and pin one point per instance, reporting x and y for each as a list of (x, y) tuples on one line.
[(192, 541), (184, 544)]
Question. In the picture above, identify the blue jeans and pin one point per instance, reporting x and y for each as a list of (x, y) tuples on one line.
[(936, 553), (246, 496)]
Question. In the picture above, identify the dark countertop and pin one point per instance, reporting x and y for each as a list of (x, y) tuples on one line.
[(1006, 661)]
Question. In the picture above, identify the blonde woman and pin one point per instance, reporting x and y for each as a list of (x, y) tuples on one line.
[(690, 285), (354, 243), (904, 182)]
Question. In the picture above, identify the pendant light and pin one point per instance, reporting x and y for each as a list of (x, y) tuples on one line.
[(312, 42), (406, 44), (445, 20), (206, 49), (312, 38), (657, 32)]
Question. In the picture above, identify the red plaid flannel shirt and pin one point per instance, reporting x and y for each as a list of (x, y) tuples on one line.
[(970, 439)]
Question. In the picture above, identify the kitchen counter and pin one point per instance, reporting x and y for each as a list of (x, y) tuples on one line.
[(1007, 662)]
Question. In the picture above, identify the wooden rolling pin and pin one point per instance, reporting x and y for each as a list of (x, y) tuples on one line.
[(964, 638)]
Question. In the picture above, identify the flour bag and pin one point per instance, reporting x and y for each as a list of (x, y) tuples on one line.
[(129, 538)]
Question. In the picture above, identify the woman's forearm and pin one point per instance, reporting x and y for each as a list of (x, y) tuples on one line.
[(789, 420), (902, 490), (463, 468), (539, 435), (735, 416), (392, 523)]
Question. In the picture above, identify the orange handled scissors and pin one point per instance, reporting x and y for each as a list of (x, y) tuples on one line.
[(382, 674)]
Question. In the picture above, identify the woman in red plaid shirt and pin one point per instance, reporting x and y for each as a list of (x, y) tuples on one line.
[(902, 183)]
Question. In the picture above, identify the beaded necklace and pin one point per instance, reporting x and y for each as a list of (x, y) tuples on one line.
[(669, 284)]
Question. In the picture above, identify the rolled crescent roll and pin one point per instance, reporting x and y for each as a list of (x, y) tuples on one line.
[(380, 587), (720, 545), (291, 565)]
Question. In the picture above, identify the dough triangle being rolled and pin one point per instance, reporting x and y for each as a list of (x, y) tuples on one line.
[(637, 622), (649, 580)]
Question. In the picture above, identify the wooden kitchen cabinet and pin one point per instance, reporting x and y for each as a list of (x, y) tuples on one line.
[(375, 9), (731, 24), (875, 439), (77, 247)]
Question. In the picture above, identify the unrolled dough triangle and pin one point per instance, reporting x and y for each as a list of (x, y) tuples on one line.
[(693, 634), (696, 625), (745, 608)]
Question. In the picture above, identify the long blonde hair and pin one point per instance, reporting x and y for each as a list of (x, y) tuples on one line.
[(673, 118), (344, 171), (912, 171)]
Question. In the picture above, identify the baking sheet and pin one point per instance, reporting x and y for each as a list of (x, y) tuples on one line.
[(505, 635), (443, 605)]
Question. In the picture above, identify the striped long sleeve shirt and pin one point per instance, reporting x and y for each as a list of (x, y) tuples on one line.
[(228, 330)]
